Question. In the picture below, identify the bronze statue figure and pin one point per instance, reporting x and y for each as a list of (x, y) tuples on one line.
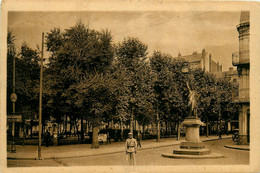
[(193, 98)]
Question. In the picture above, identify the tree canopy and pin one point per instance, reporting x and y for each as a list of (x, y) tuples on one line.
[(88, 77)]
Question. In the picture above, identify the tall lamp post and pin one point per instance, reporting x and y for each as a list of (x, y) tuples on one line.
[(13, 99), (40, 103)]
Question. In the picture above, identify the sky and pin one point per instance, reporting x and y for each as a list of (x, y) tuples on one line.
[(170, 32)]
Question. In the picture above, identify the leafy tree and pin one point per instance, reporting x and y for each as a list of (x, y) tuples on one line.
[(26, 78), (216, 97), (28, 71), (131, 55), (95, 94), (11, 54), (171, 102), (77, 54)]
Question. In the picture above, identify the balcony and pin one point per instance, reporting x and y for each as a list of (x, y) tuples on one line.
[(242, 96), (241, 57)]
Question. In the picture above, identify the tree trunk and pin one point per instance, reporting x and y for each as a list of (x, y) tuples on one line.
[(172, 128), (81, 129), (158, 126), (143, 127), (166, 129), (135, 124), (24, 128), (31, 130), (95, 143), (70, 128), (131, 122), (207, 127), (74, 126), (178, 131), (87, 130), (43, 130), (77, 128), (66, 124), (58, 129), (158, 131), (122, 130), (220, 128)]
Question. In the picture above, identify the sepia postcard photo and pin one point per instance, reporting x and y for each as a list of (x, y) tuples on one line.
[(129, 86)]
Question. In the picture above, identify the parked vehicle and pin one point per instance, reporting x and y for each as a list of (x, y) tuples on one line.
[(102, 138), (235, 136)]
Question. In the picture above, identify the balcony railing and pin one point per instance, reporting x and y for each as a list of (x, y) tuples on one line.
[(241, 57), (242, 96)]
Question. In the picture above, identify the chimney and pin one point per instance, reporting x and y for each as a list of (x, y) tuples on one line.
[(203, 59), (209, 62)]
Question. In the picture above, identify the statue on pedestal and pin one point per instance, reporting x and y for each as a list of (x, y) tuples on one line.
[(193, 98)]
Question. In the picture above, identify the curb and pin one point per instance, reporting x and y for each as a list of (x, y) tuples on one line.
[(237, 148), (216, 139), (115, 152)]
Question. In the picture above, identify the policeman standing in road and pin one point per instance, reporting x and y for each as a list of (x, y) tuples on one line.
[(131, 147)]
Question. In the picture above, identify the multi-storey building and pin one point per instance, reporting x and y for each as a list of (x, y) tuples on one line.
[(231, 75), (241, 60), (202, 60)]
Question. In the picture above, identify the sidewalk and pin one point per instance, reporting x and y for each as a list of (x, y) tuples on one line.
[(30, 152)]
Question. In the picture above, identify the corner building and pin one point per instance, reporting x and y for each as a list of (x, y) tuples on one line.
[(242, 61), (202, 60)]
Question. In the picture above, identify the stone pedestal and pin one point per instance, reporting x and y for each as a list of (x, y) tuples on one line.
[(192, 129), (192, 148)]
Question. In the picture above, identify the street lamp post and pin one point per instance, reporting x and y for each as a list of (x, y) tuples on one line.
[(13, 99), (40, 103)]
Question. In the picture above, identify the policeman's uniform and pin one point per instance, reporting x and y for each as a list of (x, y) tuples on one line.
[(131, 146)]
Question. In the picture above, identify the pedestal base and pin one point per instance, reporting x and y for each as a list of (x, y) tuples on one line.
[(192, 148), (192, 151), (182, 156), (191, 145)]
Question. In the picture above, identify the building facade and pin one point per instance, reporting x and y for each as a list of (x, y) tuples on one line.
[(202, 60), (242, 61), (231, 75)]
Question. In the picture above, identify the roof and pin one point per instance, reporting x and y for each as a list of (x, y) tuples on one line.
[(191, 58)]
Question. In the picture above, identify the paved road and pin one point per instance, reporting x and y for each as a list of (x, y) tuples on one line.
[(147, 157)]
